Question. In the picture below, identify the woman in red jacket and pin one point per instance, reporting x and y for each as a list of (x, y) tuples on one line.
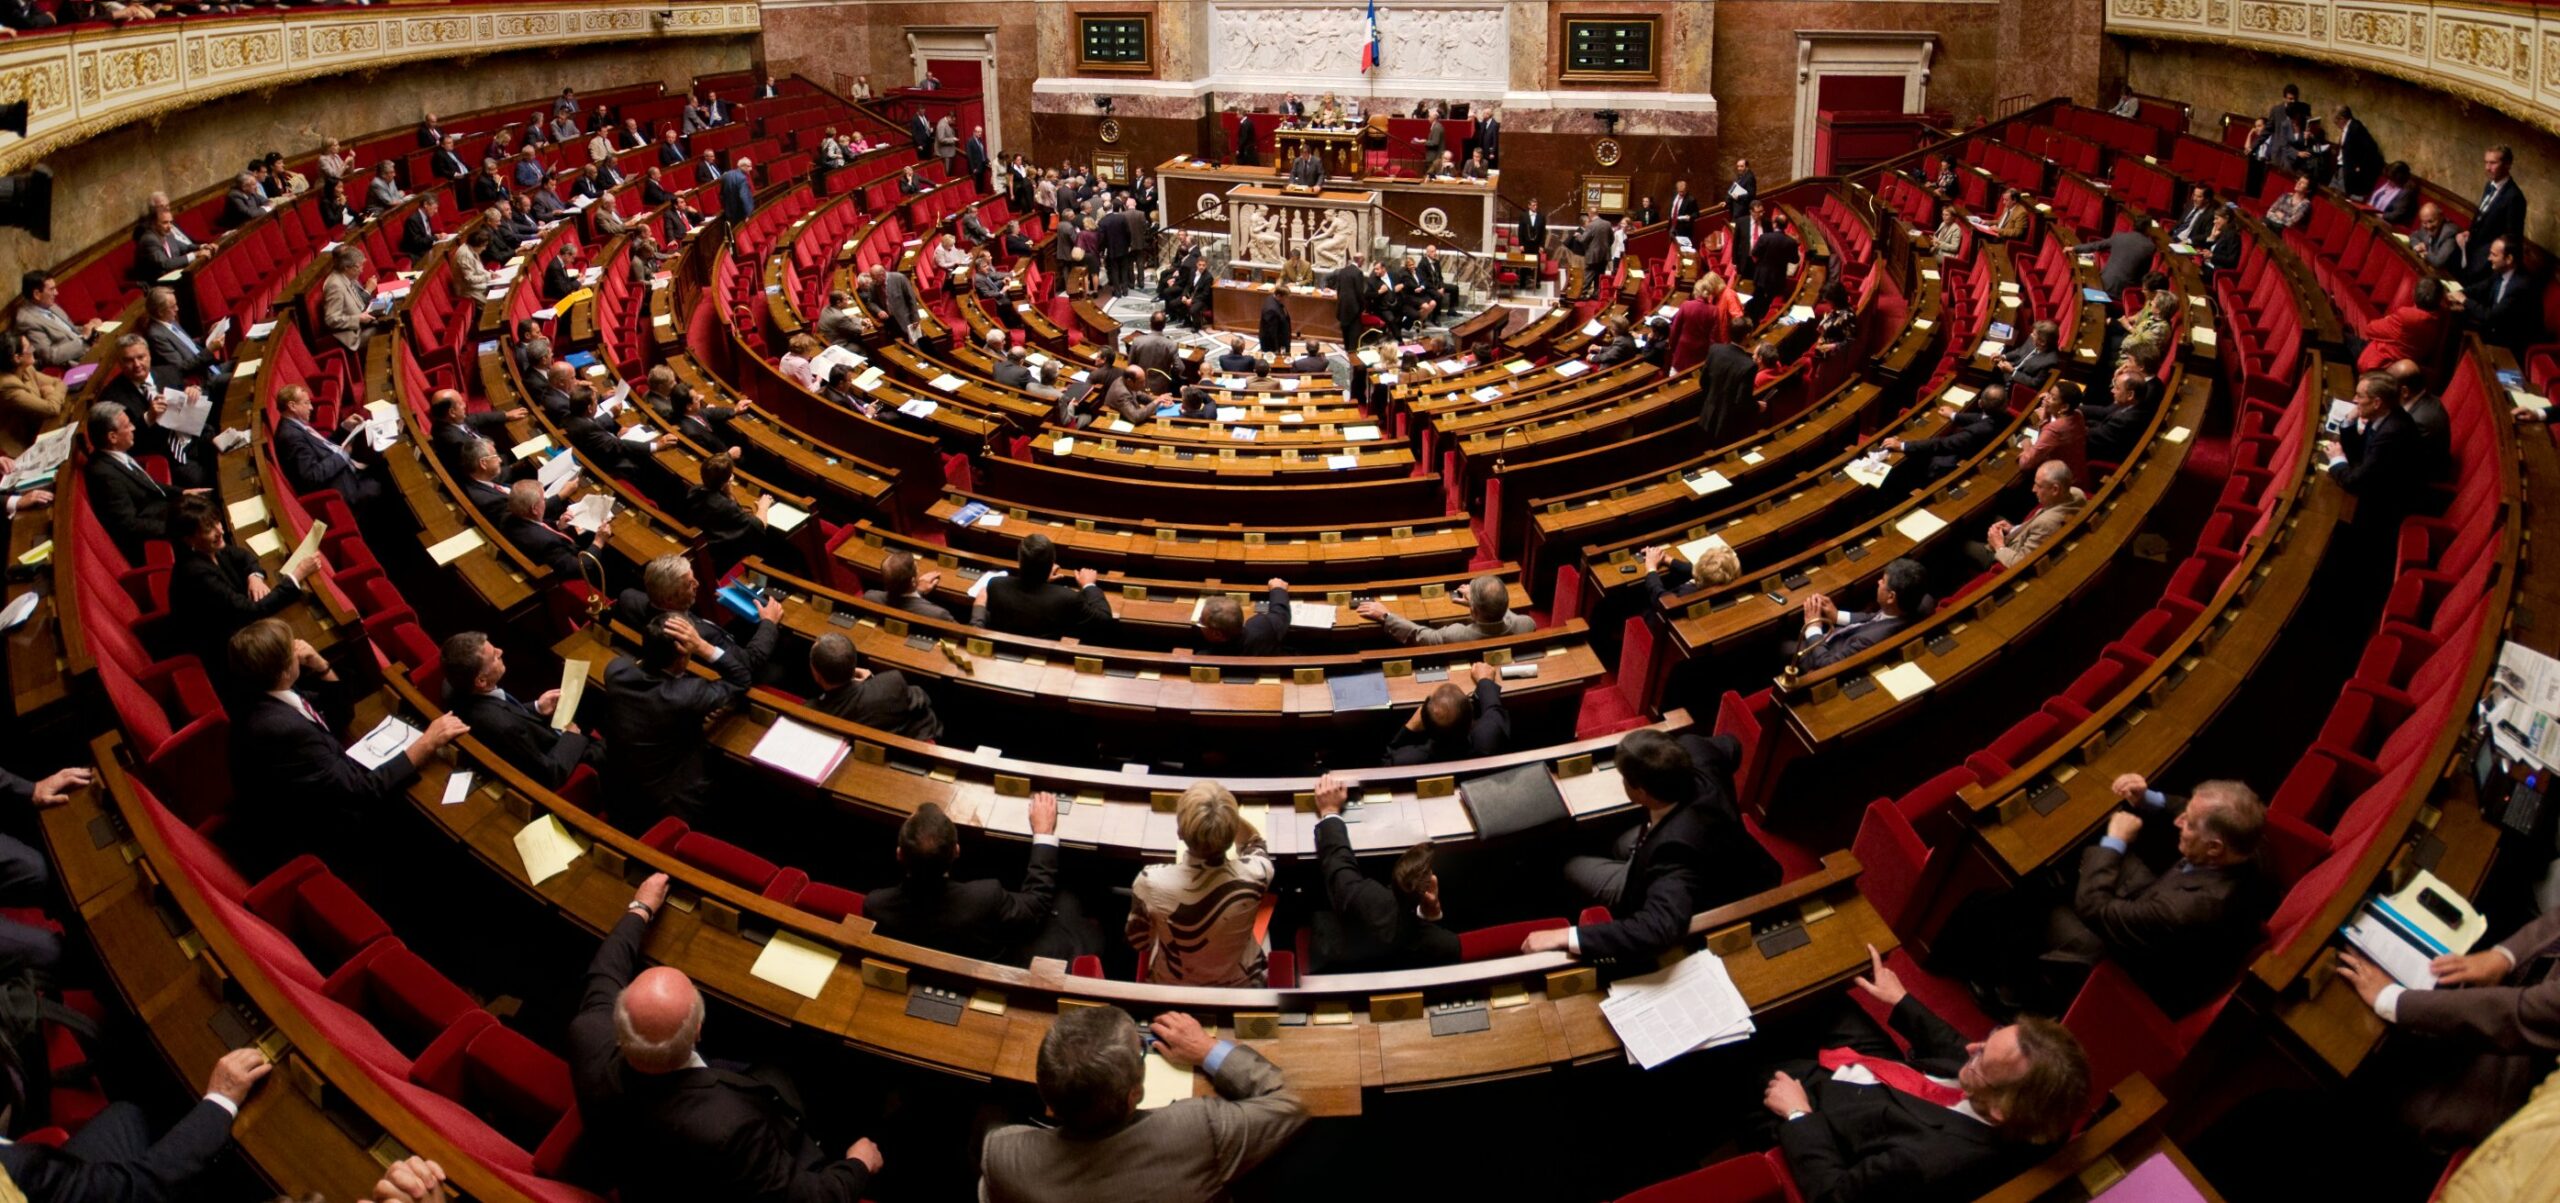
[(2413, 331)]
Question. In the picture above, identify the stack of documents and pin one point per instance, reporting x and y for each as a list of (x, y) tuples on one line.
[(1670, 1012), (803, 752)]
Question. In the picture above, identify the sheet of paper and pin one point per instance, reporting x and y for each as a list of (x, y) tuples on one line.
[(546, 848), (532, 446), (1690, 550), (1166, 1083), (1990, 347), (785, 518), (1340, 462), (2176, 434), (556, 474), (1905, 681), (802, 751), (264, 543), (389, 738), (1709, 481), (1064, 444), (1313, 615), (248, 511), (460, 545), (1918, 525), (1664, 1014), (795, 964), (19, 609), (457, 786), (919, 408), (1487, 393), (1359, 434), (306, 550), (947, 382)]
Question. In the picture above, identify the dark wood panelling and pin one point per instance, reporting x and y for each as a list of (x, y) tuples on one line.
[(1148, 141)]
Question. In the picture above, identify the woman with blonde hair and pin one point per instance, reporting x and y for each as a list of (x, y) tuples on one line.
[(1192, 921), (1667, 572)]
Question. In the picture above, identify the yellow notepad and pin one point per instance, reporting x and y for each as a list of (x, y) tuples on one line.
[(795, 964), (454, 548), (1905, 681), (1166, 1083), (1919, 525), (546, 848)]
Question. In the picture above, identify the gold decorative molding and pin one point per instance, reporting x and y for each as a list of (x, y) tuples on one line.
[(81, 84), (2486, 54)]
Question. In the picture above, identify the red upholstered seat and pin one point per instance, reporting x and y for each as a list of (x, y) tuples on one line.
[(517, 1087), (310, 906)]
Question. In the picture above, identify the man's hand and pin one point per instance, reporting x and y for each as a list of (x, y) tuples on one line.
[(517, 414), (2364, 975), (1180, 1037), (1553, 939), (2131, 787), (306, 570), (1653, 557), (444, 730), (236, 1074), (1884, 986), (2124, 825), (1332, 794), (547, 703), (56, 789), (34, 499), (415, 1180), (1085, 577), (1482, 671), (764, 505), (1044, 813), (652, 892), (1785, 1096), (2486, 967), (1373, 611), (309, 657), (1277, 583), (1891, 444), (867, 1153), (2332, 449), (928, 581), (768, 610)]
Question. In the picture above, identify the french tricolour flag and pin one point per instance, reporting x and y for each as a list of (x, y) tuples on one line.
[(1375, 48)]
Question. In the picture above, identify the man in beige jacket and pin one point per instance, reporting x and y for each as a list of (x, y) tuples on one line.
[(1092, 1075), (2057, 503)]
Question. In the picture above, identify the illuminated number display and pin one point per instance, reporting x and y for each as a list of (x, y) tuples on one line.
[(1612, 49), (1115, 43)]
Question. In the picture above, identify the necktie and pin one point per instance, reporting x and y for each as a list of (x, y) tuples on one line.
[(1894, 1074), (2487, 193), (304, 705)]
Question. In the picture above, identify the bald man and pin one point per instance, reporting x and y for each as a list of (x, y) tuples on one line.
[(668, 1127), (1455, 723)]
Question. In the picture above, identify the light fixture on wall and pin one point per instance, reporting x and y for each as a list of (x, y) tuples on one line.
[(1608, 119), (13, 118), (1103, 103)]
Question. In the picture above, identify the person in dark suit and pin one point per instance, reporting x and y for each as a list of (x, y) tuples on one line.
[(2129, 254), (671, 153), (2194, 226), (142, 385), (482, 484), (127, 501), (920, 133), (1489, 136), (1728, 409), (2484, 1032), (1027, 602), (668, 1126), (533, 529), (599, 442), (1227, 631), (2182, 933), (1365, 926), (2501, 211), (1307, 171), (667, 587), (1533, 230), (1345, 281), (312, 461), (1248, 149), (1597, 243), (1971, 429), (1454, 724), (2359, 156), (452, 428), (980, 918), (974, 153), (2133, 393), (475, 674), (296, 786), (1116, 244), (1683, 212), (1773, 264), (738, 192), (418, 230), (216, 587), (160, 247), (245, 203), (2033, 358), (1868, 1121), (730, 531), (1275, 325), (1690, 854), (1832, 634), (1744, 190), (882, 700), (2378, 458), (653, 723), (112, 1159), (2501, 302)]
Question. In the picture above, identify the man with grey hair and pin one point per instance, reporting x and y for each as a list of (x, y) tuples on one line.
[(1489, 616), (1092, 1076), (667, 587), (2057, 503), (2182, 932), (668, 1125)]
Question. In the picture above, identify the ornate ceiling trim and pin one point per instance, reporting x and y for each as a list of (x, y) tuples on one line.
[(81, 84)]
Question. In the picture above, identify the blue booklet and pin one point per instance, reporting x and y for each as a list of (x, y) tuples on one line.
[(969, 513), (1359, 690), (741, 599), (2098, 295), (2003, 330)]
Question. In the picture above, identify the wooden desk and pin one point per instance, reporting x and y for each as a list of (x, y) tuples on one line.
[(1313, 312)]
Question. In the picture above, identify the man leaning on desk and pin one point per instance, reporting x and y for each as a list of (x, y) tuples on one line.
[(2492, 1024), (1367, 926)]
